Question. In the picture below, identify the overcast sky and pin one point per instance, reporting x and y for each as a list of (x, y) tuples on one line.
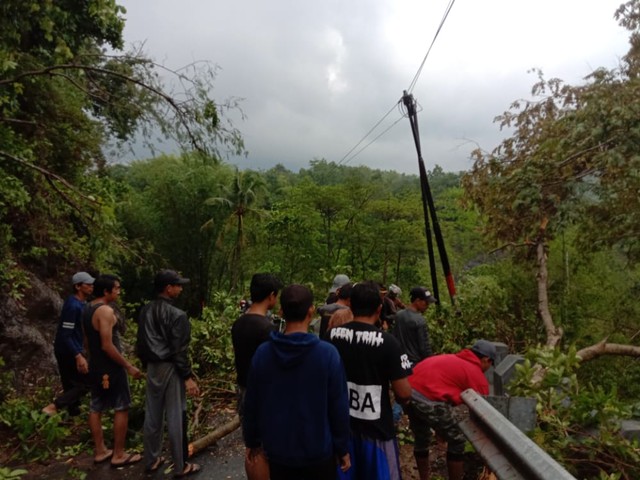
[(315, 77)]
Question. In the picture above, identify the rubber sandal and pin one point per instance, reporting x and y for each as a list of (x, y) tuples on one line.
[(130, 460), (189, 469), (108, 455), (156, 465)]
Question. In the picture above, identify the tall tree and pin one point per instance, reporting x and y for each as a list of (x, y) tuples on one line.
[(572, 151), (62, 98), (241, 200)]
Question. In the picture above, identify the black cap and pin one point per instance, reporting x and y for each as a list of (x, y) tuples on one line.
[(169, 277), (422, 294)]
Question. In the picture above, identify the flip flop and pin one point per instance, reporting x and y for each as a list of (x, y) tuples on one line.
[(130, 460), (189, 469), (156, 465), (107, 456)]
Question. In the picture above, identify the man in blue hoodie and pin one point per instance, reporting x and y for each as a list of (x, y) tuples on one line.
[(296, 406)]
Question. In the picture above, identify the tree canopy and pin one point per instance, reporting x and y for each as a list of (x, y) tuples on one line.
[(63, 97)]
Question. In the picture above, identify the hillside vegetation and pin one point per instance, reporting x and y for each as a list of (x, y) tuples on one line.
[(543, 232)]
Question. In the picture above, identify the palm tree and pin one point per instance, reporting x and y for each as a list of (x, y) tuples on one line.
[(240, 198)]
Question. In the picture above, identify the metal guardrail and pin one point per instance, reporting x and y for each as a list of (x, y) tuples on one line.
[(508, 452)]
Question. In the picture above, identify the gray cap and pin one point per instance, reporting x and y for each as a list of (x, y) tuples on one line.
[(82, 277), (338, 281), (485, 348)]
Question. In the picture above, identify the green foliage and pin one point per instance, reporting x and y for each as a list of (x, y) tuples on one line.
[(162, 208), (211, 347), (9, 474), (63, 101), (578, 425), (482, 308), (38, 433)]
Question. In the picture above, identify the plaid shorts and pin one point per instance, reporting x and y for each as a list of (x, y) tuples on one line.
[(425, 415)]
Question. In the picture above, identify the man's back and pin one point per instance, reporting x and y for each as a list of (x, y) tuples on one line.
[(442, 378), (247, 333), (296, 403), (372, 360)]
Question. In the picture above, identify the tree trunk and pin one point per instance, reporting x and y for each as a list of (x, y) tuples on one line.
[(554, 334), (604, 348), (212, 437)]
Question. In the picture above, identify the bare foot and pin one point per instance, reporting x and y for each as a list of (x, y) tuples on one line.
[(127, 459), (50, 409), (102, 457)]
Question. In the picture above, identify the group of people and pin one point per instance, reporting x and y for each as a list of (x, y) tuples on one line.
[(90, 358), (316, 403), (315, 397)]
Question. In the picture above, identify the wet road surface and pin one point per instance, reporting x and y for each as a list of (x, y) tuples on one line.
[(221, 461)]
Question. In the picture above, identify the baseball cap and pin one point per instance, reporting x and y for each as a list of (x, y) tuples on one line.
[(338, 281), (421, 293), (485, 348), (393, 288), (82, 277), (169, 277)]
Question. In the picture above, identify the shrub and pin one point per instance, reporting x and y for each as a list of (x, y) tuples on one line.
[(578, 425)]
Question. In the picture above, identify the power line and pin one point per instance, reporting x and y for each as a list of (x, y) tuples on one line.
[(345, 159), (376, 138), (444, 17), (365, 136)]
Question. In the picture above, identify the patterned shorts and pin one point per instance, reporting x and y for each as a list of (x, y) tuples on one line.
[(425, 415)]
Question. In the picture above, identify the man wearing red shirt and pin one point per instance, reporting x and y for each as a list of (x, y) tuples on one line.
[(436, 384)]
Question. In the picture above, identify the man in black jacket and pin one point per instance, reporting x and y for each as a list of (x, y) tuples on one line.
[(164, 334)]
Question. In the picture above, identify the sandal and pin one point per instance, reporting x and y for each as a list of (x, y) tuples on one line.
[(189, 469), (156, 465), (108, 454), (130, 460)]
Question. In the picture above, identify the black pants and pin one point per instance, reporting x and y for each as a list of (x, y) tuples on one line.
[(75, 385), (324, 471)]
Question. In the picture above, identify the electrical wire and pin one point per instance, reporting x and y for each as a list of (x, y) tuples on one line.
[(364, 138), (444, 17), (376, 138), (346, 158)]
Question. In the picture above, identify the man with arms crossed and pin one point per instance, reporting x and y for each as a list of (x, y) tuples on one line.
[(108, 370), (164, 333), (373, 359), (296, 405)]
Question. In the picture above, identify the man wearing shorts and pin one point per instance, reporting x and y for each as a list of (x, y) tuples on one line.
[(108, 370), (373, 361), (437, 383)]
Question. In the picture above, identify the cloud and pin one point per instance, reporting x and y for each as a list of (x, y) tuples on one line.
[(317, 76)]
